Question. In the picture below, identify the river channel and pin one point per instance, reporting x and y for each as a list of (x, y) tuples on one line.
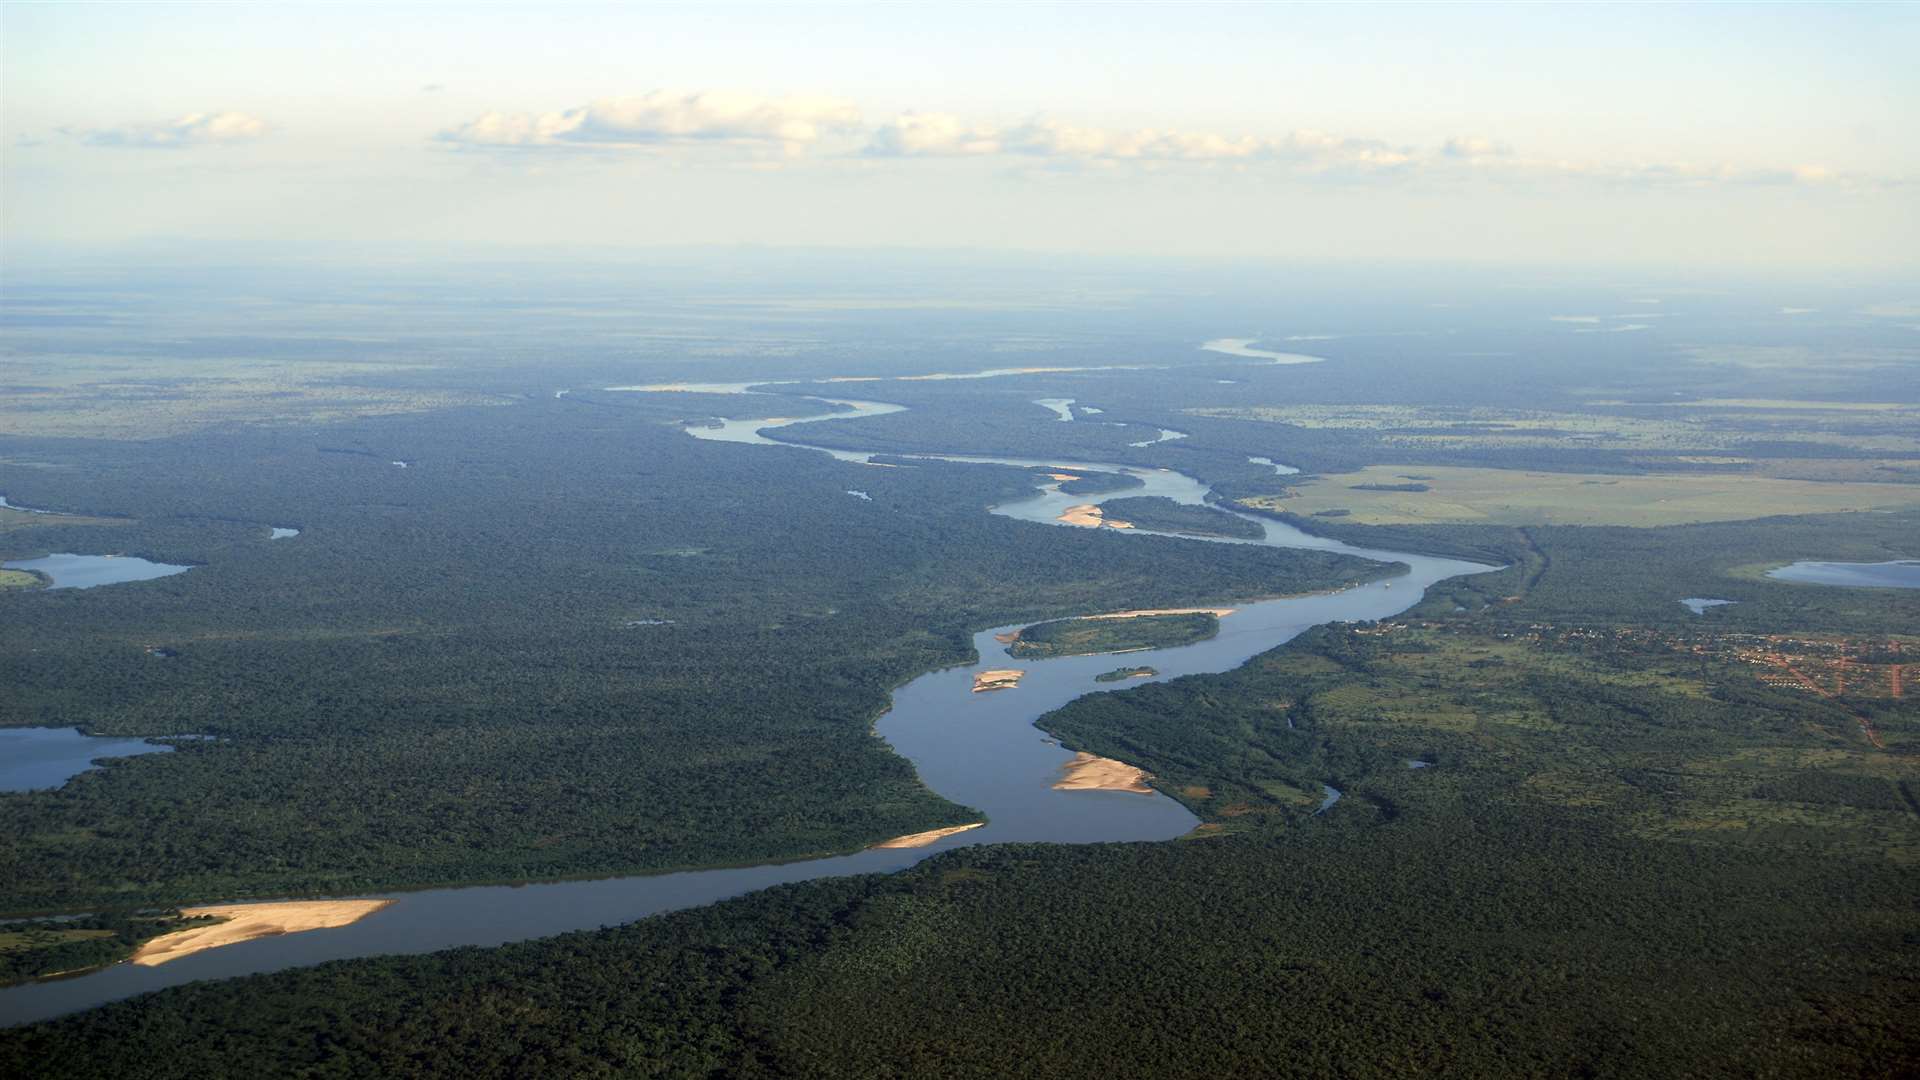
[(978, 749)]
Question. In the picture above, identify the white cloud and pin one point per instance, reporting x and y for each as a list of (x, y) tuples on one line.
[(942, 135), (1473, 146), (661, 119), (796, 125), (194, 129), (932, 135)]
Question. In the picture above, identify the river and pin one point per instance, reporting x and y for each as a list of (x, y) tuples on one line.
[(979, 750)]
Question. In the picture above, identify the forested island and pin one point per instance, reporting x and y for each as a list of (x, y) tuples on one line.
[(1083, 637), (1164, 515)]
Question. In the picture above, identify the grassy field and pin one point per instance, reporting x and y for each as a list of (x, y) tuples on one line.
[(1470, 496), (1712, 424), (121, 398), (17, 579)]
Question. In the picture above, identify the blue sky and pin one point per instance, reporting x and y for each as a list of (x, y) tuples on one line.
[(1778, 136)]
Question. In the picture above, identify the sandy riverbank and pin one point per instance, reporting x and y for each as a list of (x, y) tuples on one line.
[(1088, 515), (922, 839), (245, 922), (1089, 773), (1139, 613), (998, 679)]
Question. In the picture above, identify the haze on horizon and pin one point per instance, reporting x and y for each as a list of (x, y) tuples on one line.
[(1773, 138)]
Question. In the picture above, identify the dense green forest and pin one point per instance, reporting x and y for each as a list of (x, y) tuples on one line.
[(1081, 637), (1609, 867), (567, 639), (1162, 514)]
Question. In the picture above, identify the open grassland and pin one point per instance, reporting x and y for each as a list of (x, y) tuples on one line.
[(122, 398), (17, 579), (1383, 495), (1726, 425)]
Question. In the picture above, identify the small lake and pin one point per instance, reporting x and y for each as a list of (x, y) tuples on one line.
[(283, 533), (36, 759), (69, 571), (1278, 469), (1699, 604), (1899, 574)]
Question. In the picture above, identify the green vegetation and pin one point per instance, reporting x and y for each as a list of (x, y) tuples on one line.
[(1085, 637), (42, 948), (1162, 514), (1619, 864), (20, 579), (1125, 673)]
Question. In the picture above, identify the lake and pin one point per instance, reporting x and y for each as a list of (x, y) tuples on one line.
[(34, 759), (1899, 574), (68, 571)]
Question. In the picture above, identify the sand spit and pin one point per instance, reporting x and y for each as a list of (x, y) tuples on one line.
[(922, 839), (1000, 679), (1088, 515), (1138, 613), (246, 922), (1089, 773), (1063, 477), (1007, 638)]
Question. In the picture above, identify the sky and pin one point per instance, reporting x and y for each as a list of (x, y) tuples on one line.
[(1776, 137)]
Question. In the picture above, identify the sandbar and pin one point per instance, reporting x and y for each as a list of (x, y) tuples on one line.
[(922, 839), (1087, 772), (1063, 477), (1088, 515), (999, 679), (245, 922), (1216, 612)]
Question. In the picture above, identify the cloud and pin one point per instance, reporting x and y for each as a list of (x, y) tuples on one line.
[(832, 127), (1462, 154), (662, 119), (943, 135), (932, 135), (194, 129), (1473, 146)]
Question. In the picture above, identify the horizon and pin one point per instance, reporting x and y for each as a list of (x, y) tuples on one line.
[(1594, 135)]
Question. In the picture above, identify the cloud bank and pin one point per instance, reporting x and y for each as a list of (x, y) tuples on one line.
[(194, 129), (831, 127), (659, 119)]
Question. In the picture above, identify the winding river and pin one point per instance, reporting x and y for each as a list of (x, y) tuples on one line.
[(977, 749)]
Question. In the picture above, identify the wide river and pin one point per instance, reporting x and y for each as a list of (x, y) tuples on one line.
[(980, 750)]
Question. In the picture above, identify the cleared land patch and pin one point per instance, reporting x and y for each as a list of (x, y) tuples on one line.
[(1380, 495)]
